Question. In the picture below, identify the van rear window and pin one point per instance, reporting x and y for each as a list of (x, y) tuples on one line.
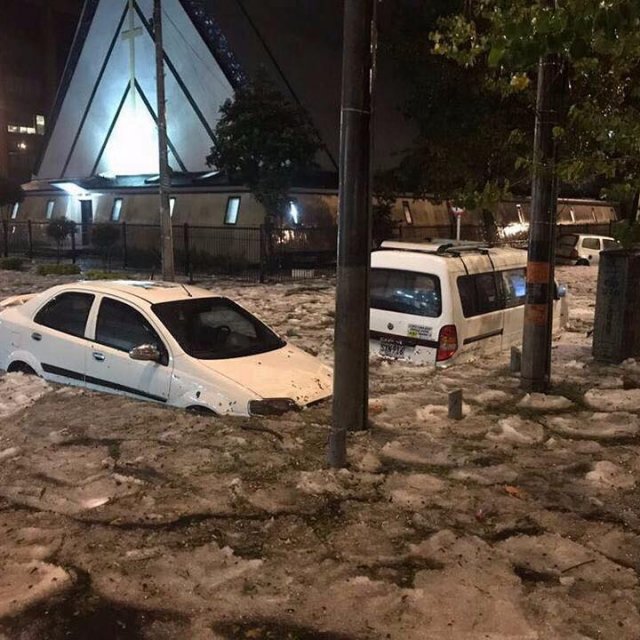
[(408, 292)]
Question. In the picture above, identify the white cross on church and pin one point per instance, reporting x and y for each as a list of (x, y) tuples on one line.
[(131, 34)]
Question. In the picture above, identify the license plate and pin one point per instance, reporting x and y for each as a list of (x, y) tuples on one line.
[(391, 349)]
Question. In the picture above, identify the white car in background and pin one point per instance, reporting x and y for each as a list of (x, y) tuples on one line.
[(174, 344), (581, 249)]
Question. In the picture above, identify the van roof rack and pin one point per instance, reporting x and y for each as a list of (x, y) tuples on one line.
[(437, 246)]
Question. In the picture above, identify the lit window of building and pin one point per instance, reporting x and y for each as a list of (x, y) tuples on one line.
[(14, 210), (406, 209), (40, 125), (172, 206), (294, 211), (116, 210), (50, 207), (233, 208)]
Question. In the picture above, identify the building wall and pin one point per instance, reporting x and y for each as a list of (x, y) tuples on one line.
[(35, 36)]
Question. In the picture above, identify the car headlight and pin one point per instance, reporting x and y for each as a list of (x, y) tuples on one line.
[(271, 406)]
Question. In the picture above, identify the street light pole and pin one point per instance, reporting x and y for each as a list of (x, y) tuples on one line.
[(351, 371), (166, 230)]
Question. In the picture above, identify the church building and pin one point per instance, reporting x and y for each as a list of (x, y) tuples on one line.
[(100, 157), (100, 161)]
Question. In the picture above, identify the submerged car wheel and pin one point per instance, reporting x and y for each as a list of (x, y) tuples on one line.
[(21, 367)]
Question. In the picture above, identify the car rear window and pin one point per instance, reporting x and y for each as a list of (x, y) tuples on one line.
[(568, 241), (407, 292)]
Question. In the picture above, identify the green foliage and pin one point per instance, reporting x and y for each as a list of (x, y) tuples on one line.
[(104, 237), (58, 269), (599, 42), (469, 134), (628, 235), (264, 141), (11, 264), (96, 274)]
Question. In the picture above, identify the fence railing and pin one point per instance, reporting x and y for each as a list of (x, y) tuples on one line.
[(256, 253)]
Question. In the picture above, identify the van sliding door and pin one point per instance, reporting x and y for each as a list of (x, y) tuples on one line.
[(482, 308)]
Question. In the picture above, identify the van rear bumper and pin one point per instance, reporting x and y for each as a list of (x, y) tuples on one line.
[(395, 347)]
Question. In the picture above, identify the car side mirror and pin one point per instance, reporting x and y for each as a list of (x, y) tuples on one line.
[(561, 291), (145, 352)]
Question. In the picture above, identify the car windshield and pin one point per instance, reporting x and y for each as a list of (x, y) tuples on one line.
[(215, 328)]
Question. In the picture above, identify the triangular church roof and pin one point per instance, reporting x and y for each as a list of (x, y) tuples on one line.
[(104, 118)]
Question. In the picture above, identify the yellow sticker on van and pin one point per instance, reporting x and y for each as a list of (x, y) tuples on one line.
[(419, 331)]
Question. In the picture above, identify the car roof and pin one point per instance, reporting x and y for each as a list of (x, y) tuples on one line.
[(151, 291), (575, 234)]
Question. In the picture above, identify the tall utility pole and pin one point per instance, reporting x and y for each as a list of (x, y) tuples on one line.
[(351, 372), (538, 319), (166, 231)]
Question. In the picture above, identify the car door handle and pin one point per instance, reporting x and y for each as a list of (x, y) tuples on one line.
[(98, 356), (36, 336)]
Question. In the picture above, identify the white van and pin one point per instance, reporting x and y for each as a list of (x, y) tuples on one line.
[(431, 302)]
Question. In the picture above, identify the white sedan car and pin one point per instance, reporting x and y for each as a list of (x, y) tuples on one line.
[(175, 344)]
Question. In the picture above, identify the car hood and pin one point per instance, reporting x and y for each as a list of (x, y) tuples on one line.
[(288, 372)]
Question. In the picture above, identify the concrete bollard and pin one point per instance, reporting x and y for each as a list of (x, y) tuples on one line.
[(516, 360), (455, 405)]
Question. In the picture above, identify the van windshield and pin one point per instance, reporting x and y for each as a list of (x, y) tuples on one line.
[(407, 292), (215, 328)]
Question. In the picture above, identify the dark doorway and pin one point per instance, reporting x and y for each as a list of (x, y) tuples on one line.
[(86, 215)]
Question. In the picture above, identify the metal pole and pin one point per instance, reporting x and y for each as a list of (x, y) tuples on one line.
[(166, 230), (351, 374), (536, 347), (458, 226)]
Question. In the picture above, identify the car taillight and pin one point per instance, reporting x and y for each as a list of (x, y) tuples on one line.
[(574, 253), (447, 342)]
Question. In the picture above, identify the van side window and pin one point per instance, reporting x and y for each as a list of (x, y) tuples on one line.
[(406, 292), (478, 294), (488, 299), (467, 289), (514, 285)]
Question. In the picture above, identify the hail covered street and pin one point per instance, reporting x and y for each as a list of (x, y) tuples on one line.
[(122, 519)]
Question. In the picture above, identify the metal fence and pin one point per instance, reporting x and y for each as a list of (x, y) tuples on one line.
[(255, 253)]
